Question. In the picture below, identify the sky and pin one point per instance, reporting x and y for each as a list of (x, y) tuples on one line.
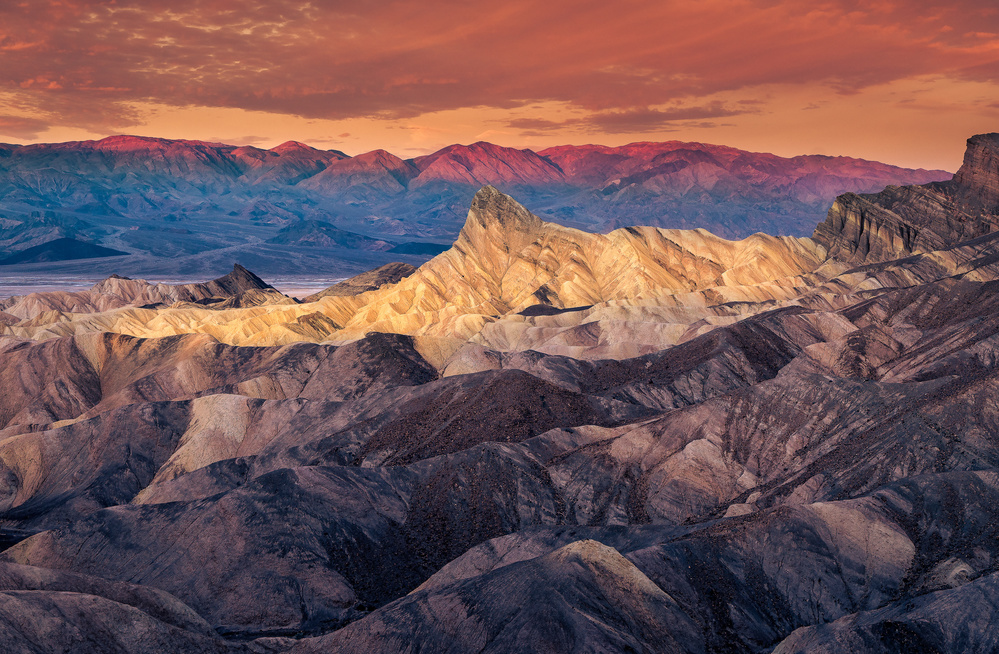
[(905, 82)]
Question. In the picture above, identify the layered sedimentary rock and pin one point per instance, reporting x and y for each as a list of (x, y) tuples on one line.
[(917, 219), (649, 440), (505, 262), (238, 287)]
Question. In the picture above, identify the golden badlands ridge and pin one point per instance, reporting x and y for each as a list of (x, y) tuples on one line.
[(631, 291)]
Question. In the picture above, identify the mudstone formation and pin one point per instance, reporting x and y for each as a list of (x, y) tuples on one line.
[(542, 439)]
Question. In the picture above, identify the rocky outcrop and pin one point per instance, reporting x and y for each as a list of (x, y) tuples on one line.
[(390, 273), (976, 184), (900, 221), (238, 281)]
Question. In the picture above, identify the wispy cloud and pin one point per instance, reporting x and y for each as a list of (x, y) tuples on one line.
[(630, 121), (22, 127), (86, 63)]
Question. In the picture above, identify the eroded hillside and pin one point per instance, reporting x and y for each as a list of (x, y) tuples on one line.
[(540, 440)]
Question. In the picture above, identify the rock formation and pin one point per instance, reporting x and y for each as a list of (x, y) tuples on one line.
[(542, 439), (390, 273), (918, 219), (238, 288), (506, 261)]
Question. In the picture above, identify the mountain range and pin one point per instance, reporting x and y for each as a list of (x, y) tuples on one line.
[(189, 207), (542, 439)]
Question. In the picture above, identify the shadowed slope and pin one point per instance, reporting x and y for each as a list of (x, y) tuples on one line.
[(912, 219)]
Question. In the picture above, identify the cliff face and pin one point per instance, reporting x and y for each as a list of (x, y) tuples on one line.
[(904, 220), (976, 184)]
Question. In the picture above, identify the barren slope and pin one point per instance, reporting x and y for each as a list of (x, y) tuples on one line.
[(649, 440)]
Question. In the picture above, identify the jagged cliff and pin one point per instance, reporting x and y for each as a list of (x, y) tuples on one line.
[(916, 219)]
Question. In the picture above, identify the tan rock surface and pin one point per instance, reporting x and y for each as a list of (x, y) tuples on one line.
[(240, 288), (505, 261)]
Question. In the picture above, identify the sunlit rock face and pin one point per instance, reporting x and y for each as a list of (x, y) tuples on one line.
[(505, 263), (977, 182), (542, 439)]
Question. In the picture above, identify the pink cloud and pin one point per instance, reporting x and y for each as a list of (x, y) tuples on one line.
[(22, 127), (80, 63)]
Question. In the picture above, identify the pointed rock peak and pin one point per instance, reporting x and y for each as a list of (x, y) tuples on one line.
[(239, 280), (493, 210)]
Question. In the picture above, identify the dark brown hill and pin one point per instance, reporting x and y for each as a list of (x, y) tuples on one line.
[(61, 249)]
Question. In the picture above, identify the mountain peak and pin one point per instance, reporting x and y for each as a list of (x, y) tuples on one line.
[(486, 163), (493, 209), (238, 281), (380, 156), (292, 146), (496, 229)]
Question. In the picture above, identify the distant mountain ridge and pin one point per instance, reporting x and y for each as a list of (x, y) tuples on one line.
[(239, 197)]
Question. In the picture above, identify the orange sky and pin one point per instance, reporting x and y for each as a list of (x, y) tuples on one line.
[(901, 82)]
